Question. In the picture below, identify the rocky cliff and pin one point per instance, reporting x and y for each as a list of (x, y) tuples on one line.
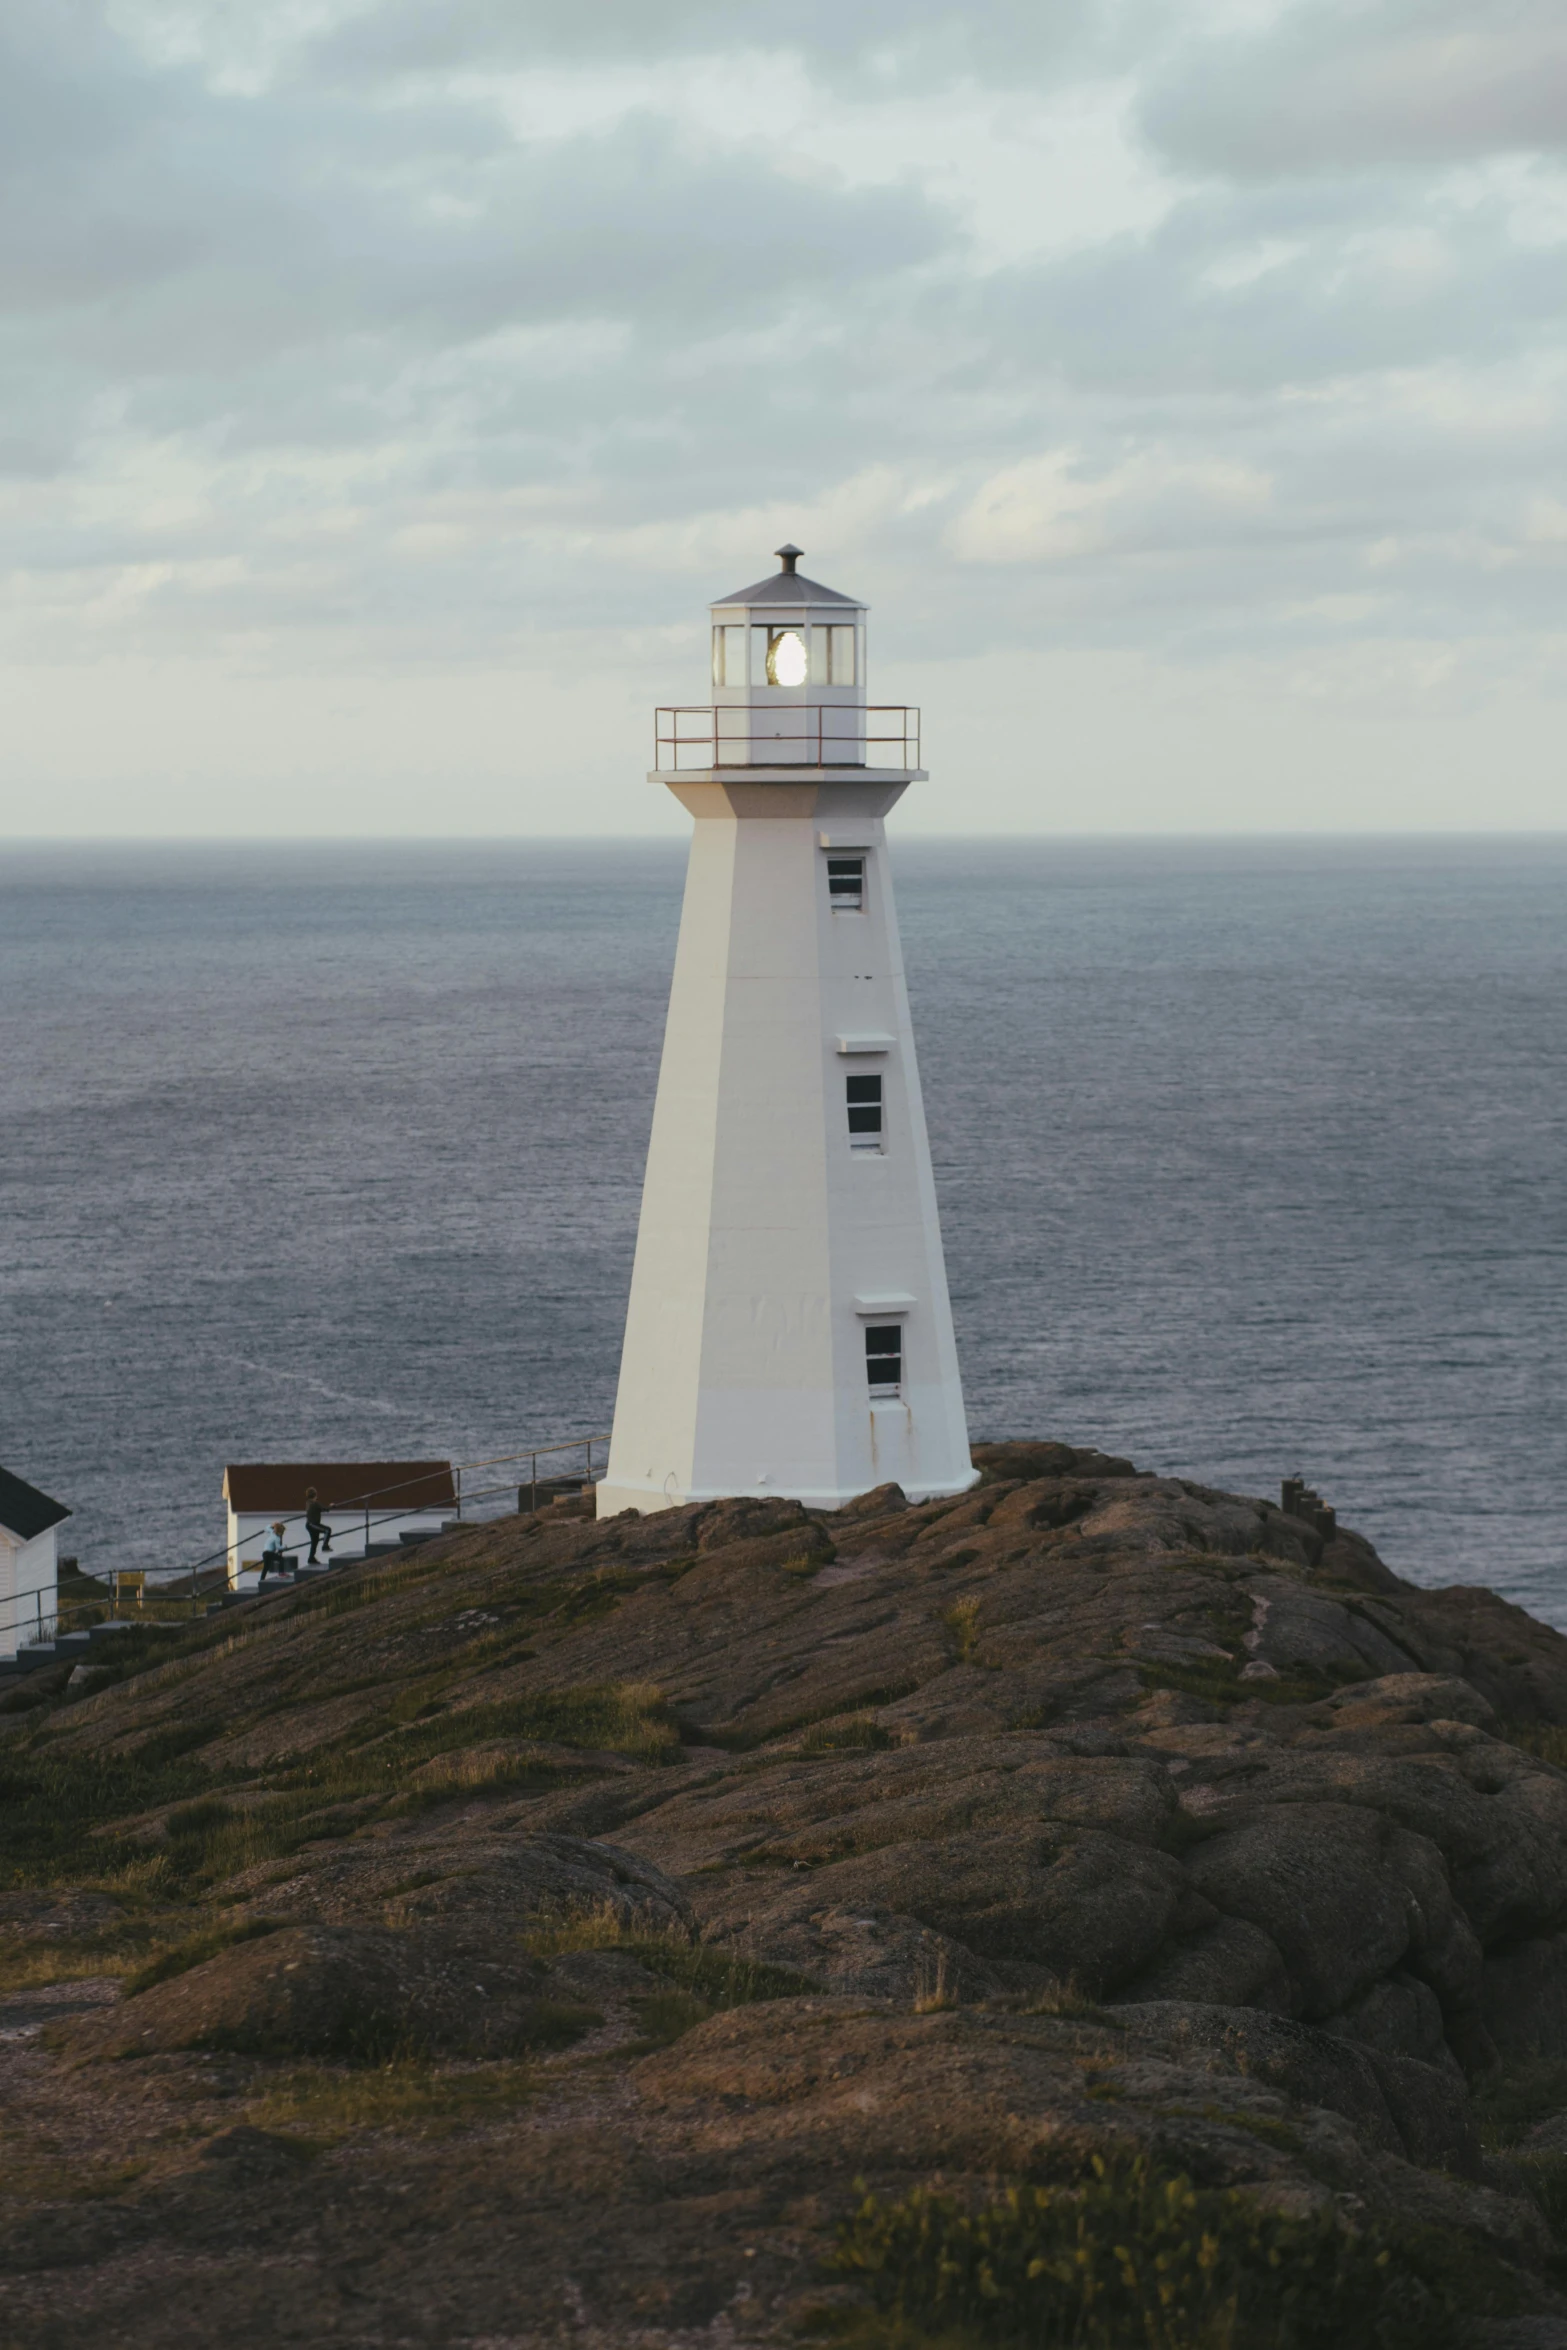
[(538, 1938)]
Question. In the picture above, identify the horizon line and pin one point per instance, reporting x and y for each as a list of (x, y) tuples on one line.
[(155, 840)]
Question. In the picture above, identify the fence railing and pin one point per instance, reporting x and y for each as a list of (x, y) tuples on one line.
[(798, 735), (130, 1597)]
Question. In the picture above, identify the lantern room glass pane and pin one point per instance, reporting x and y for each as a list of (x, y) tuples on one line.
[(821, 655), (841, 658), (729, 656), (759, 637), (786, 662)]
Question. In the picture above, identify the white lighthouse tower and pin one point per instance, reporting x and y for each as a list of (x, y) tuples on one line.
[(788, 1330)]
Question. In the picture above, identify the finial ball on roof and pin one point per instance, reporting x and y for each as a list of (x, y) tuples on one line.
[(788, 555)]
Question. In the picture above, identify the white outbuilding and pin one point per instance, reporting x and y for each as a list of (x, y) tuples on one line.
[(788, 1330), (30, 1525), (363, 1504)]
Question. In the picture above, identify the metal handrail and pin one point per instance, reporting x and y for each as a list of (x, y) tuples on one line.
[(743, 730), (167, 1596)]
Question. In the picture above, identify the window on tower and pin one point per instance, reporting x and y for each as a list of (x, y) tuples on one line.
[(832, 655), (884, 1360), (846, 884), (865, 1108), (841, 658), (729, 656)]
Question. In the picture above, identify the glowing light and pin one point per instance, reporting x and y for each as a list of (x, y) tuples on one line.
[(786, 663)]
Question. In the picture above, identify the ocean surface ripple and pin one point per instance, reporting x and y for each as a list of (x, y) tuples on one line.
[(1250, 1158)]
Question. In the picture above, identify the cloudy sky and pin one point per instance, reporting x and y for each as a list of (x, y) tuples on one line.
[(389, 384)]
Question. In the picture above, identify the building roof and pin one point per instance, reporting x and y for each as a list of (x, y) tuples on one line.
[(789, 586), (281, 1486), (24, 1511)]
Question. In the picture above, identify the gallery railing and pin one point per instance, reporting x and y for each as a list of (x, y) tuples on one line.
[(882, 734)]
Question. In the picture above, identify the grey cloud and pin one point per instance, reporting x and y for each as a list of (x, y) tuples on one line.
[(235, 264), (1338, 84), (894, 42), (1300, 286), (413, 381)]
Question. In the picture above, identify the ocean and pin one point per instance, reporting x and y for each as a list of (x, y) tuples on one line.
[(1250, 1156)]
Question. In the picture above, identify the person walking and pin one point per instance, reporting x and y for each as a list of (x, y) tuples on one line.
[(273, 1555), (316, 1527)]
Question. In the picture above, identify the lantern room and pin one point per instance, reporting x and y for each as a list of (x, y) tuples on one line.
[(787, 642), (788, 678)]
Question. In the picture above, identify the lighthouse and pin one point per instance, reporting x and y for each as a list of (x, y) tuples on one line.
[(788, 1330)]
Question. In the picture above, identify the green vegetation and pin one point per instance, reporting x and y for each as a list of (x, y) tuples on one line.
[(746, 1741), (1066, 1999), (859, 1731), (180, 1957), (1135, 2258), (41, 2175), (66, 1958), (1217, 1681), (415, 2100), (664, 2017), (1516, 2096), (1265, 2126), (60, 1809), (701, 1980), (962, 1621), (1548, 1740), (75, 1817), (1508, 2103)]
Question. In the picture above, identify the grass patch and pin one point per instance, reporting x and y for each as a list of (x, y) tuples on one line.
[(739, 1741), (861, 1731), (412, 2100), (27, 2177), (56, 1806), (1218, 1682), (664, 2017), (62, 1808), (1265, 2126), (1544, 2176), (1508, 2104), (469, 1773), (935, 1985), (627, 1718), (1066, 1999), (1511, 2100), (242, 1840), (174, 1743), (1547, 1740), (962, 1621), (199, 1819), (58, 1958), (698, 1980), (1135, 2255), (180, 1957)]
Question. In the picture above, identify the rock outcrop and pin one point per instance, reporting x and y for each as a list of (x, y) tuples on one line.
[(1092, 1809)]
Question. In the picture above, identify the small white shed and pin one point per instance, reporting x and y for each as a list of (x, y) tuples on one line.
[(363, 1502), (29, 1562)]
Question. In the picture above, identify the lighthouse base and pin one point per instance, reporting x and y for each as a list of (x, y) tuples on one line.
[(612, 1499)]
